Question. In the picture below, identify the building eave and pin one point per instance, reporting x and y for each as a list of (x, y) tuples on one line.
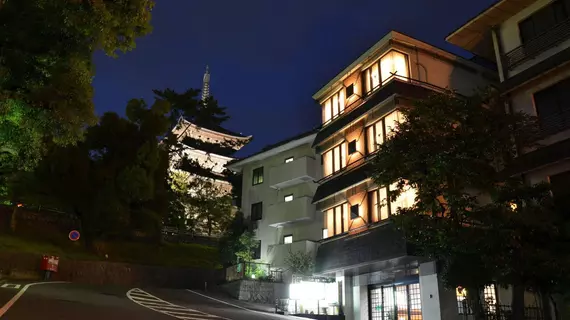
[(399, 39), (473, 32), (308, 138), (221, 134)]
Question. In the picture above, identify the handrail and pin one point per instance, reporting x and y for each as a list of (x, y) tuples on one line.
[(537, 45)]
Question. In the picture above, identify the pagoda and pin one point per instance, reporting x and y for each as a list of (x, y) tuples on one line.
[(214, 159)]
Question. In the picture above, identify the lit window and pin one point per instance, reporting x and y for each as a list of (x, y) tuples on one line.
[(325, 233), (334, 159), (290, 159), (334, 106), (257, 176), (377, 201), (391, 122), (392, 64), (406, 199), (375, 135), (288, 198), (337, 219), (288, 239)]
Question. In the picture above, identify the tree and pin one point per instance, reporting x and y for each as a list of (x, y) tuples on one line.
[(452, 151), (201, 192), (301, 263), (46, 69), (247, 244), (207, 204), (115, 180)]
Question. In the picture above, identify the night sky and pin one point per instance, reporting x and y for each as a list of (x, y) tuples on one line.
[(267, 57)]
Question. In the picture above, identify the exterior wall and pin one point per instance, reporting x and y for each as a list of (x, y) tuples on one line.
[(510, 37), (522, 99), (435, 67), (269, 236)]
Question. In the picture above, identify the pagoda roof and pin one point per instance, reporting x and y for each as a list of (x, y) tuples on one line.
[(217, 130)]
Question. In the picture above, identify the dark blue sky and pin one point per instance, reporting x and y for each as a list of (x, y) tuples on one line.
[(267, 57)]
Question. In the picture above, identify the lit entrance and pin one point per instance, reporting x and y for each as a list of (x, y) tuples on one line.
[(396, 302)]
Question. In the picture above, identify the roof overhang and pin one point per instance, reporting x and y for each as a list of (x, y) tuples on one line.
[(236, 166), (220, 134), (475, 32)]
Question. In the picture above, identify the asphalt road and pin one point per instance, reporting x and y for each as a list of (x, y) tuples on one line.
[(66, 301)]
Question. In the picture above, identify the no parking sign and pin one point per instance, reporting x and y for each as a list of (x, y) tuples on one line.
[(74, 235)]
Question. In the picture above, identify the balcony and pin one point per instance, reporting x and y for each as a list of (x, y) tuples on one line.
[(277, 253), (381, 247), (300, 209), (536, 46), (296, 172)]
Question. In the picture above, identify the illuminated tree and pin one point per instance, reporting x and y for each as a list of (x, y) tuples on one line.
[(46, 69)]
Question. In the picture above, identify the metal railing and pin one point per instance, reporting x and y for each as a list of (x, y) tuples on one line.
[(253, 271), (502, 312), (534, 47), (366, 95)]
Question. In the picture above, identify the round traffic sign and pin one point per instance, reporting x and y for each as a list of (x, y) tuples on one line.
[(74, 235)]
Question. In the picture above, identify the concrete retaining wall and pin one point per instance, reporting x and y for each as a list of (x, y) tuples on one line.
[(27, 266)]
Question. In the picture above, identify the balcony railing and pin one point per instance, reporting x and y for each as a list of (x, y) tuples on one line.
[(541, 43), (366, 95)]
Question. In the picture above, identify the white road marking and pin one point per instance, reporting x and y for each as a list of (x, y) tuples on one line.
[(142, 298), (224, 302), (18, 295), (11, 286)]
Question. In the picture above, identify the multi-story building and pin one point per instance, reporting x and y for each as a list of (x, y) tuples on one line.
[(530, 41), (377, 275), (277, 197), (277, 193)]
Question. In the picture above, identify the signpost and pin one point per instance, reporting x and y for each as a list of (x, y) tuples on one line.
[(74, 235)]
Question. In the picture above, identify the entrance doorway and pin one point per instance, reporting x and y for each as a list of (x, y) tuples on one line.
[(395, 302)]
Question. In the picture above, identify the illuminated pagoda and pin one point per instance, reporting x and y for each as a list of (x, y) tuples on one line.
[(221, 143)]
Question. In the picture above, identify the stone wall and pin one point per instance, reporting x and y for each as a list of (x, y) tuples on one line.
[(110, 273)]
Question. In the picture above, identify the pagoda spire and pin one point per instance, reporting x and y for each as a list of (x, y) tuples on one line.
[(206, 84)]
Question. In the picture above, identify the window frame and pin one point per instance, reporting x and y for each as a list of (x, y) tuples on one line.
[(557, 88), (551, 7), (376, 193), (343, 227), (351, 145), (256, 177), (333, 161), (340, 97), (257, 216), (366, 73), (385, 135)]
